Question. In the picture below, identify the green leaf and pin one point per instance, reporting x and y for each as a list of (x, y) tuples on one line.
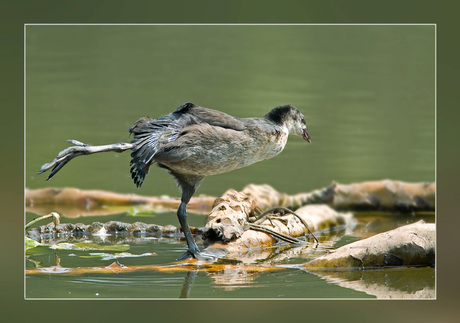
[(108, 256), (29, 243), (85, 246)]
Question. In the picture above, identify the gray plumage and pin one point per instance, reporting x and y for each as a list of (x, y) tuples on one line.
[(194, 142)]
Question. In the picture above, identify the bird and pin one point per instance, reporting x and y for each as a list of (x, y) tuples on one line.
[(194, 142)]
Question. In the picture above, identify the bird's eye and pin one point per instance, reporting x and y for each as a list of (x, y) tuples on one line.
[(303, 121)]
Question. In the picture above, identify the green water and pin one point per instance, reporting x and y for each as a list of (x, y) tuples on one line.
[(368, 94)]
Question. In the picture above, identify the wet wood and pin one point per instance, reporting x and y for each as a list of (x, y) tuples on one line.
[(409, 245), (318, 217), (183, 266), (229, 220), (376, 195), (112, 230), (386, 195), (89, 202), (383, 195), (233, 225), (228, 224), (232, 212)]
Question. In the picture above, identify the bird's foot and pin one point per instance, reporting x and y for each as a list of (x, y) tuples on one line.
[(200, 255)]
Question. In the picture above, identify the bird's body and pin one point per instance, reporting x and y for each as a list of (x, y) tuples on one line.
[(194, 142), (210, 150), (197, 141)]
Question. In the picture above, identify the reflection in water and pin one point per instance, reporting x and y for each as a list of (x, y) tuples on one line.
[(233, 278), (386, 283), (188, 283)]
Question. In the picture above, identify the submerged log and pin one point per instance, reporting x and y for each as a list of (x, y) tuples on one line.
[(112, 230), (183, 266), (409, 245)]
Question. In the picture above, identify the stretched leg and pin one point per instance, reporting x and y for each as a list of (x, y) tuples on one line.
[(80, 149)]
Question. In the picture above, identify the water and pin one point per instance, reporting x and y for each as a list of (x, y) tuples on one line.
[(367, 93)]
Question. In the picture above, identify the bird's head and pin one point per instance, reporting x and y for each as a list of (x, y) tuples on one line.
[(291, 118)]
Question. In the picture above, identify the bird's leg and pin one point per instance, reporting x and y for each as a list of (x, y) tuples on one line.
[(80, 149), (193, 250), (192, 247)]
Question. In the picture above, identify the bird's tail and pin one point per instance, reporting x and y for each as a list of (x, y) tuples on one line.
[(148, 134)]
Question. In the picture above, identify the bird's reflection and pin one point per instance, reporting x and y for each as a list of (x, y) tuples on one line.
[(188, 283)]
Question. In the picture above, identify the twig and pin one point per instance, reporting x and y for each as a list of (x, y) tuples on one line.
[(261, 217), (278, 235), (56, 219)]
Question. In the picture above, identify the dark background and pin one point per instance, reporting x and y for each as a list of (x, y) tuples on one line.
[(13, 15)]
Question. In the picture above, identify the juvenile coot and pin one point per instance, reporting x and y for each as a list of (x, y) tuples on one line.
[(194, 142)]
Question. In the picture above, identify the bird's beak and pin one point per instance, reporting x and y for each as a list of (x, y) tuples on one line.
[(306, 135)]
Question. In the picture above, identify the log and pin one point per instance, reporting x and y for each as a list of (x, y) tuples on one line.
[(90, 202), (383, 195), (386, 195), (231, 215), (319, 218), (112, 230), (183, 266), (229, 224), (232, 212), (409, 245)]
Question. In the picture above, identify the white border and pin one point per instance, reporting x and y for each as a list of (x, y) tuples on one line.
[(242, 24), (436, 158)]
